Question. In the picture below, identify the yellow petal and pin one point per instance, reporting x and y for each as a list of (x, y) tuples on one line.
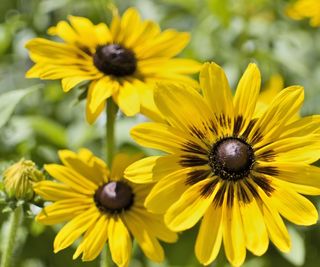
[(162, 137), (88, 169), (254, 227), (277, 230), (304, 149), (48, 71), (190, 207), (71, 178), (130, 26), (95, 240), (297, 173), (154, 224), (148, 31), (167, 44), (76, 227), (233, 232), (128, 99), (65, 32), (283, 107), (302, 127), (70, 82), (148, 243), (103, 34), (99, 91), (167, 191), (208, 245), (54, 50), (92, 116), (170, 78), (64, 210), (119, 241), (294, 207), (177, 65), (152, 169), (246, 96), (217, 93), (85, 30), (53, 191), (179, 105), (120, 162)]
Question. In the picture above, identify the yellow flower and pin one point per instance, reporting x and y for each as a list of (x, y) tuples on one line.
[(19, 178), (123, 61), (305, 9), (100, 206), (234, 172)]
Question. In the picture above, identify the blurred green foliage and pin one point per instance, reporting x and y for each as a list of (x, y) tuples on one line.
[(43, 120)]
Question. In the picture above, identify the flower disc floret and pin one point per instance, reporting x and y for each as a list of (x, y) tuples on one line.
[(115, 60)]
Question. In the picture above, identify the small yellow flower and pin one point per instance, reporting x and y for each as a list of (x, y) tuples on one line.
[(19, 178), (123, 61), (101, 206), (305, 9), (235, 171)]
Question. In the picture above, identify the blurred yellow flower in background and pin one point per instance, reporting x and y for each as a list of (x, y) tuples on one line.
[(122, 61), (101, 206), (302, 9)]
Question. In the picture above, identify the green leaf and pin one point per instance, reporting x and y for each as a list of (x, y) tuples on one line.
[(9, 100), (297, 255), (54, 132)]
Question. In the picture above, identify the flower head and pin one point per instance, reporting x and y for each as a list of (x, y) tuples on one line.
[(100, 206), (229, 167), (124, 60), (19, 178), (305, 9)]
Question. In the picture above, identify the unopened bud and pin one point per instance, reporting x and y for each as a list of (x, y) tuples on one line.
[(18, 179)]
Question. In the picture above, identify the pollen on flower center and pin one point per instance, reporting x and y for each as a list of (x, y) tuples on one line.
[(114, 197), (115, 60), (231, 158)]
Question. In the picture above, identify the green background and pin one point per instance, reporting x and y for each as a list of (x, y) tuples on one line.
[(36, 123)]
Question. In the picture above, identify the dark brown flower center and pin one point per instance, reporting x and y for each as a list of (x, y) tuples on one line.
[(231, 158), (115, 60), (114, 197)]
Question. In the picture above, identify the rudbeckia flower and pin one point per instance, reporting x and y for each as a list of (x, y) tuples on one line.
[(305, 9), (236, 173), (100, 206), (122, 61)]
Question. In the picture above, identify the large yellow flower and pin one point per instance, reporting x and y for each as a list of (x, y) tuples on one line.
[(101, 206), (305, 9), (123, 61), (236, 171)]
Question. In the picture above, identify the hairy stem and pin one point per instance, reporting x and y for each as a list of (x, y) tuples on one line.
[(14, 222)]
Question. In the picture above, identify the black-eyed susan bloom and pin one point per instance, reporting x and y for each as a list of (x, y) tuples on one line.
[(302, 9), (236, 172), (122, 61), (100, 206)]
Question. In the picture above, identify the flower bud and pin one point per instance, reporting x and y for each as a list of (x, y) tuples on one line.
[(18, 179)]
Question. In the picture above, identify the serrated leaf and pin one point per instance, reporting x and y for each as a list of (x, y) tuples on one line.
[(9, 100)]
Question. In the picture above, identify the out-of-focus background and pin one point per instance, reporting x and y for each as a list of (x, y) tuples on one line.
[(230, 32)]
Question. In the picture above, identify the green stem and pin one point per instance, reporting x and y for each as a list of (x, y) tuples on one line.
[(104, 258), (110, 150), (15, 218), (111, 117)]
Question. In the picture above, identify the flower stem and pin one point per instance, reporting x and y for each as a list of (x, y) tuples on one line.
[(110, 149), (111, 117), (15, 218)]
